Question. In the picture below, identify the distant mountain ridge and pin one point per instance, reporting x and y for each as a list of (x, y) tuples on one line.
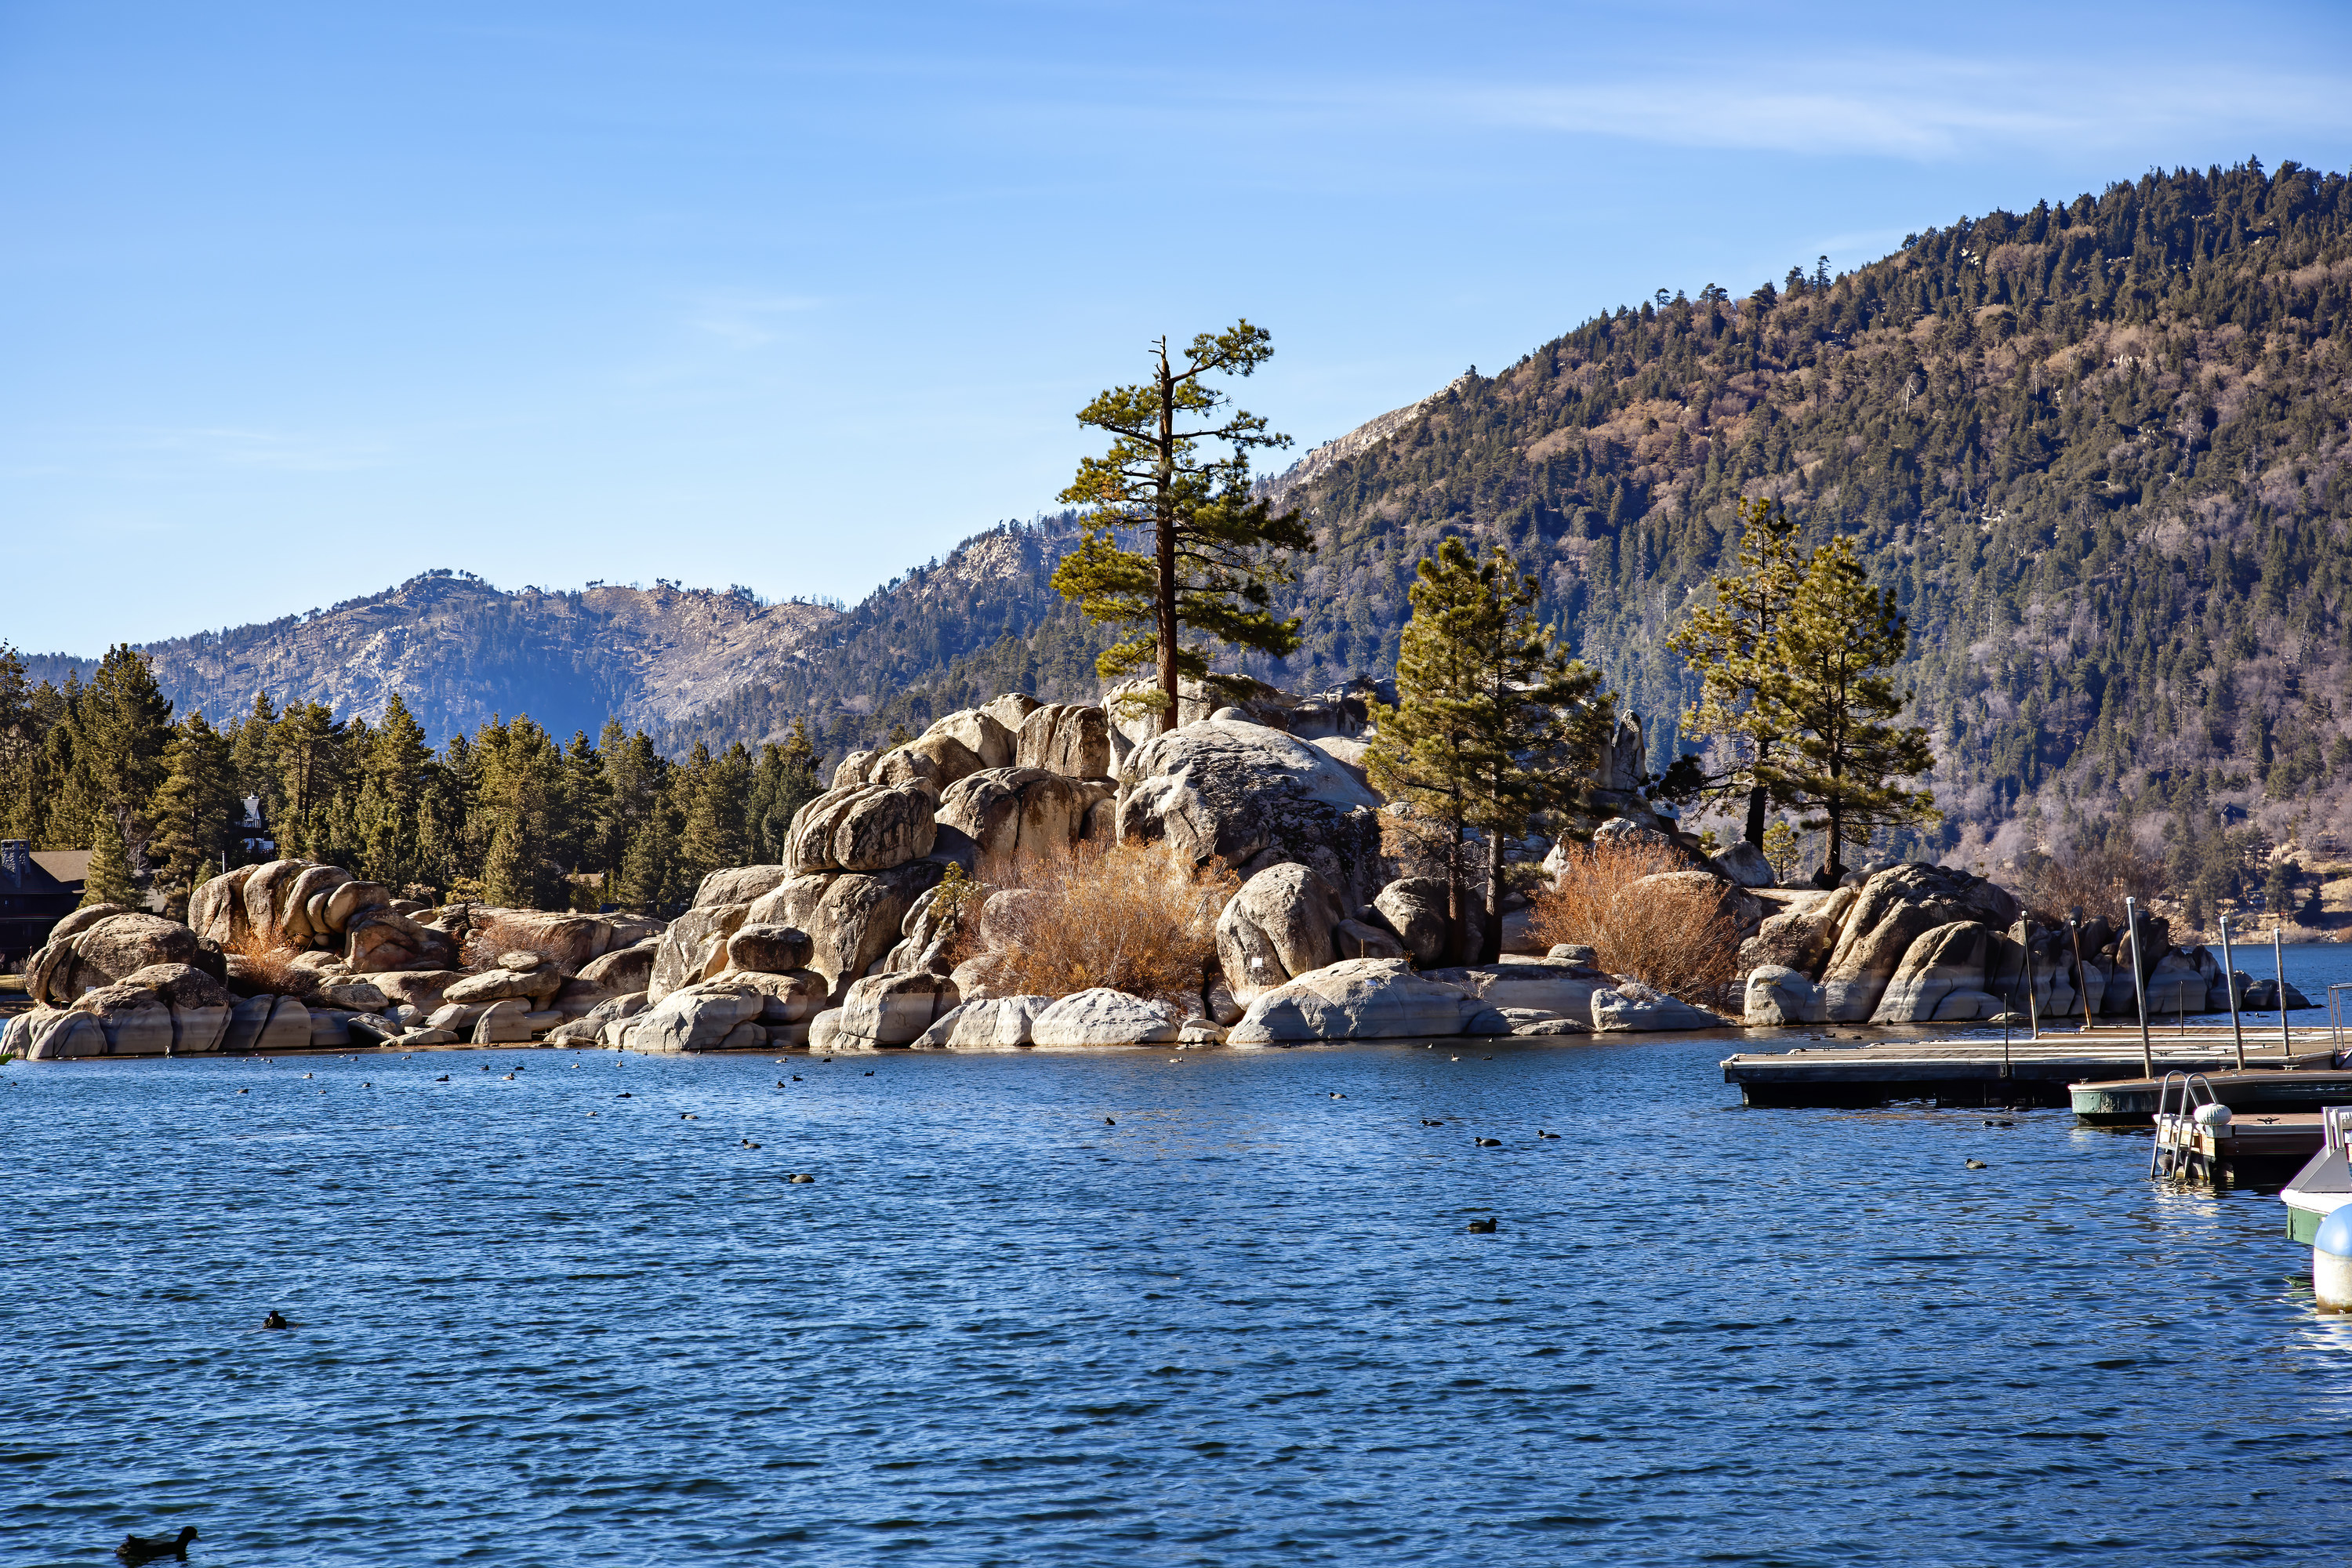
[(459, 651)]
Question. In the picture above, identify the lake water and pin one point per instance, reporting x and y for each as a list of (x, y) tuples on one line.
[(1133, 1308)]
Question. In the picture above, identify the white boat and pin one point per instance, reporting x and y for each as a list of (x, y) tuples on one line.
[(2325, 1182)]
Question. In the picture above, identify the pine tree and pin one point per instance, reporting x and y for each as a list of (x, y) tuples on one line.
[(786, 780), (518, 771), (119, 727), (1828, 692), (257, 769), (21, 729), (1211, 564), (196, 810), (309, 756), (717, 789), (107, 880), (1494, 722), (394, 776), (1729, 641)]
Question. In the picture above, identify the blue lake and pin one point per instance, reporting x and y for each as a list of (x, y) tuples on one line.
[(1132, 1307)]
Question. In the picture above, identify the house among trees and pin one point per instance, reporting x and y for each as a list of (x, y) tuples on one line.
[(37, 891)]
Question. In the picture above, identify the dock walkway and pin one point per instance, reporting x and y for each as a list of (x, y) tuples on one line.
[(1980, 1070)]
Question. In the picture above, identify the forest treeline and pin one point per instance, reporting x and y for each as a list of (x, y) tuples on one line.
[(509, 814)]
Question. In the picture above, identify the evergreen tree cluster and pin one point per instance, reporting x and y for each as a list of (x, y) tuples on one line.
[(507, 814)]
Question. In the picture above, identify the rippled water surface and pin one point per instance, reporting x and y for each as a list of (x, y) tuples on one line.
[(1134, 1308)]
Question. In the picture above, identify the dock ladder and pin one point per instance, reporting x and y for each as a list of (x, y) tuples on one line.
[(2176, 1130)]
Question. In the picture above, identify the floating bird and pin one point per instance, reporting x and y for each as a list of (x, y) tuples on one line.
[(592, 1113), (275, 1321), (1489, 1143), (802, 1181), (443, 1079), (244, 1091), (1425, 1121), (1453, 1058), (310, 1075), (870, 1075), (486, 1068), (1109, 1123), (1976, 1164), (367, 1086), (1541, 1133), (624, 1094), (137, 1548), (749, 1144), (1339, 1097), (796, 1078), (1483, 1227), (687, 1116), (508, 1079)]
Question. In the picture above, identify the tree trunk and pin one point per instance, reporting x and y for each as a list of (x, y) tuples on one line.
[(1757, 796), (1457, 897), (1490, 941), (1166, 504)]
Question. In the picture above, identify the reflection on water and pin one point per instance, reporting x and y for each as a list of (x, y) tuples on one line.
[(1094, 1307)]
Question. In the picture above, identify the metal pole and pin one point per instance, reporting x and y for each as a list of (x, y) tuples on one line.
[(2082, 981), (2229, 985), (2278, 956), (2139, 989), (2032, 1013)]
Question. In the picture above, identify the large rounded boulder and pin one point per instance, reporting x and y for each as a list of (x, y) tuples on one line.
[(1252, 797)]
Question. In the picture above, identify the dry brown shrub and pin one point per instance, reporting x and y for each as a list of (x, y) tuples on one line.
[(2094, 878), (1124, 915), (262, 967), (1677, 936), (503, 933)]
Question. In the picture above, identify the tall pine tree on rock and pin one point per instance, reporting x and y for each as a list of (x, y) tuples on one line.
[(1728, 640), (1827, 689), (1494, 723), (1212, 555)]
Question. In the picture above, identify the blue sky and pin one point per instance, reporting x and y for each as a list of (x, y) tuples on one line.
[(301, 299)]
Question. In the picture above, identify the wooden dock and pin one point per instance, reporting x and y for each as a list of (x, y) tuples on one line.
[(1977, 1069)]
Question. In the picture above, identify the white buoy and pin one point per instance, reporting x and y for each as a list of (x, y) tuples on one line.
[(2216, 1116), (2331, 1262)]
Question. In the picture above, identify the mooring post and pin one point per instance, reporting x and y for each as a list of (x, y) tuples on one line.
[(2140, 990), (2278, 957), (2082, 981), (2229, 985), (2032, 1013)]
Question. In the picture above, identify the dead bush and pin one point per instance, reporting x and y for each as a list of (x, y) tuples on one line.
[(257, 966), (2094, 878), (1677, 936), (503, 933), (1122, 915)]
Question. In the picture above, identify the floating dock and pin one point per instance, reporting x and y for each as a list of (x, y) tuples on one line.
[(1975, 1071), (2246, 1148)]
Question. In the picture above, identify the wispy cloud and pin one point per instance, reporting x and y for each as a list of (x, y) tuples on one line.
[(1909, 106), (246, 448), (747, 320)]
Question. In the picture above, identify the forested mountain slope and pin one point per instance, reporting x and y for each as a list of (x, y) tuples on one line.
[(2098, 449)]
